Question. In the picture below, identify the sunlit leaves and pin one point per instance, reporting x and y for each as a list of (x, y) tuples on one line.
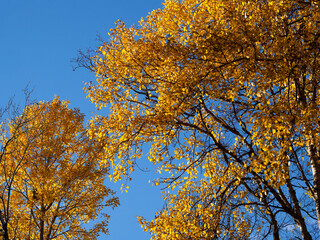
[(52, 180), (226, 95)]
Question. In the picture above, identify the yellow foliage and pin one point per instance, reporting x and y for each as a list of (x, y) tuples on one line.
[(227, 95), (52, 181)]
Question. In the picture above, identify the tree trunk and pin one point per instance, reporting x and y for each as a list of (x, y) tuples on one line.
[(5, 235), (298, 218), (41, 237), (315, 164), (275, 228)]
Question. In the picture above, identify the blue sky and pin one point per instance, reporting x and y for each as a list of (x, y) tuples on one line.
[(37, 41)]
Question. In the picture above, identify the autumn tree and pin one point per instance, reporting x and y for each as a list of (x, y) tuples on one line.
[(9, 112), (52, 183), (225, 95)]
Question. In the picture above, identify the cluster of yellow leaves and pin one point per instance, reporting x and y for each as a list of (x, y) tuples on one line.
[(210, 85), (52, 181), (199, 210)]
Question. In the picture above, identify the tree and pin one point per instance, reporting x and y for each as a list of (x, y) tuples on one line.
[(10, 113), (227, 95), (52, 182)]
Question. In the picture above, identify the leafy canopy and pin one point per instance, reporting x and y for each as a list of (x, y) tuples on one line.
[(52, 181), (227, 95)]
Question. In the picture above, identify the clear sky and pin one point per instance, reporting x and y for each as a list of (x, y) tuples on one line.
[(38, 38)]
